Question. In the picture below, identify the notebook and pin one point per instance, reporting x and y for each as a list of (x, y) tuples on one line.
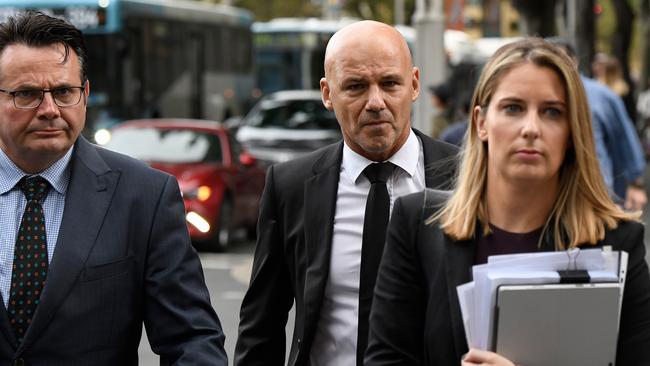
[(558, 324)]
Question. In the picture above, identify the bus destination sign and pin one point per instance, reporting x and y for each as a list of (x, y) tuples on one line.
[(82, 17)]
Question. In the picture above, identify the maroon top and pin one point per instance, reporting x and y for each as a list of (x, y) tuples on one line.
[(504, 242)]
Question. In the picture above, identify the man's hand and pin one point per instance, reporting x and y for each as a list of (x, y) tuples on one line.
[(476, 357), (635, 198)]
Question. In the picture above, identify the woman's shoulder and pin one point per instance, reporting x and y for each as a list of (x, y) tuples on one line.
[(428, 198), (626, 233), (626, 227), (435, 198)]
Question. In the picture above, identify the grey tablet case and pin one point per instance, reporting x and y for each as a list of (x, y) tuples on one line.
[(558, 324)]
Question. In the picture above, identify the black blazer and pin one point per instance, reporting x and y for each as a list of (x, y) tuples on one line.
[(123, 257), (292, 257), (416, 319)]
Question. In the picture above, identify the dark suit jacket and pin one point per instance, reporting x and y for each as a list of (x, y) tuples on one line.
[(293, 251), (416, 319), (123, 256)]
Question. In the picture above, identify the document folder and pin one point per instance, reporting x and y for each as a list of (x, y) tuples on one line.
[(547, 308), (558, 324)]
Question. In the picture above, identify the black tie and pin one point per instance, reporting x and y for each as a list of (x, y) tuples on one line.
[(374, 235), (30, 257)]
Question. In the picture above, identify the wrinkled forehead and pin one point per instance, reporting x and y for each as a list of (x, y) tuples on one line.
[(21, 62), (371, 54), (372, 64)]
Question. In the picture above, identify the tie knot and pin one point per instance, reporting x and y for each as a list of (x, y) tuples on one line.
[(35, 188), (379, 172)]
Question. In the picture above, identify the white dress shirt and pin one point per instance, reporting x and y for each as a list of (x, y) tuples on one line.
[(335, 341)]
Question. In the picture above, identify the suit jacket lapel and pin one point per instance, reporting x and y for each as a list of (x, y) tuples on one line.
[(320, 204), (91, 188), (459, 261)]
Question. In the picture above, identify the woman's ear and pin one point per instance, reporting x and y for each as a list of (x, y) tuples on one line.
[(479, 118)]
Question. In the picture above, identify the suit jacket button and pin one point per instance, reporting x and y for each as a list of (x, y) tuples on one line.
[(19, 362)]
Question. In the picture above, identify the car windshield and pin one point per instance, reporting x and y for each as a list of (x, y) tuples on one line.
[(293, 114), (166, 145)]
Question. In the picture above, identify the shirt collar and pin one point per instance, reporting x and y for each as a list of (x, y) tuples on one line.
[(56, 174), (406, 158)]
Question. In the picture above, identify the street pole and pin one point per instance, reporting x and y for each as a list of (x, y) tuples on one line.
[(430, 57), (331, 9), (399, 12)]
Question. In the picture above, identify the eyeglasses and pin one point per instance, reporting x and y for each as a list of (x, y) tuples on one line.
[(32, 98)]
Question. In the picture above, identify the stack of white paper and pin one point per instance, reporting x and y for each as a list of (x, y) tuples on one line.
[(477, 299)]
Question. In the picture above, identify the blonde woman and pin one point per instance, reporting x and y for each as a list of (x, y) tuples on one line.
[(528, 181)]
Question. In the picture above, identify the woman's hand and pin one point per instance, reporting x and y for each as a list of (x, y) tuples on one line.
[(476, 357)]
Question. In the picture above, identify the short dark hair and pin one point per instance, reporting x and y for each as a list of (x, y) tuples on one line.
[(35, 29), (442, 91)]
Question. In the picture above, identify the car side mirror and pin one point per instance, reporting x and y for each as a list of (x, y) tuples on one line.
[(247, 159)]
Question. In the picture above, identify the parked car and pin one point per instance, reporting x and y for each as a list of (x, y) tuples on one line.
[(286, 124), (221, 183)]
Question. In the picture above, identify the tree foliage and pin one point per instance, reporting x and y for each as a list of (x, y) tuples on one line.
[(381, 10), (267, 10), (537, 17)]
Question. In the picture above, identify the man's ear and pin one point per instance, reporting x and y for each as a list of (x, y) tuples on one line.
[(416, 84), (479, 118), (325, 94), (86, 91)]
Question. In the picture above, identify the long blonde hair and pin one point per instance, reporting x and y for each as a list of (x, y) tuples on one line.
[(583, 209)]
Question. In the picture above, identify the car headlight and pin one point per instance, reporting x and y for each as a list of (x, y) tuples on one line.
[(198, 221), (201, 193), (102, 136)]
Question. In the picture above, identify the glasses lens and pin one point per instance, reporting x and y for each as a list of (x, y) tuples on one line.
[(27, 98), (66, 97), (63, 97)]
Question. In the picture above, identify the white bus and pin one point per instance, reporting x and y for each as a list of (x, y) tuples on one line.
[(158, 58)]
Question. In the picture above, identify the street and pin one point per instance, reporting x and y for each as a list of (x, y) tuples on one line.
[(227, 278)]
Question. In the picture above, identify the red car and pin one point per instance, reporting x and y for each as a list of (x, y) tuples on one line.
[(220, 182)]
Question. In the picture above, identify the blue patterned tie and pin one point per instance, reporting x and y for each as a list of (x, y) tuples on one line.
[(30, 257)]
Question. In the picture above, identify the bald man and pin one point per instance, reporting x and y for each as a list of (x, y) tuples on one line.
[(311, 223)]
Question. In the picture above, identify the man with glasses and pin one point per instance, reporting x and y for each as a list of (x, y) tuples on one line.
[(93, 244)]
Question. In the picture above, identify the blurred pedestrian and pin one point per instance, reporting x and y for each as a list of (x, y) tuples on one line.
[(643, 114), (619, 151), (441, 100), (455, 132), (643, 105), (598, 65), (323, 217), (612, 76)]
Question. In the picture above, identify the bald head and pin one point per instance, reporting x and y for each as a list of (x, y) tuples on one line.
[(370, 83), (366, 35)]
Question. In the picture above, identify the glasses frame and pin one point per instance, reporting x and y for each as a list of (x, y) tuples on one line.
[(43, 91)]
